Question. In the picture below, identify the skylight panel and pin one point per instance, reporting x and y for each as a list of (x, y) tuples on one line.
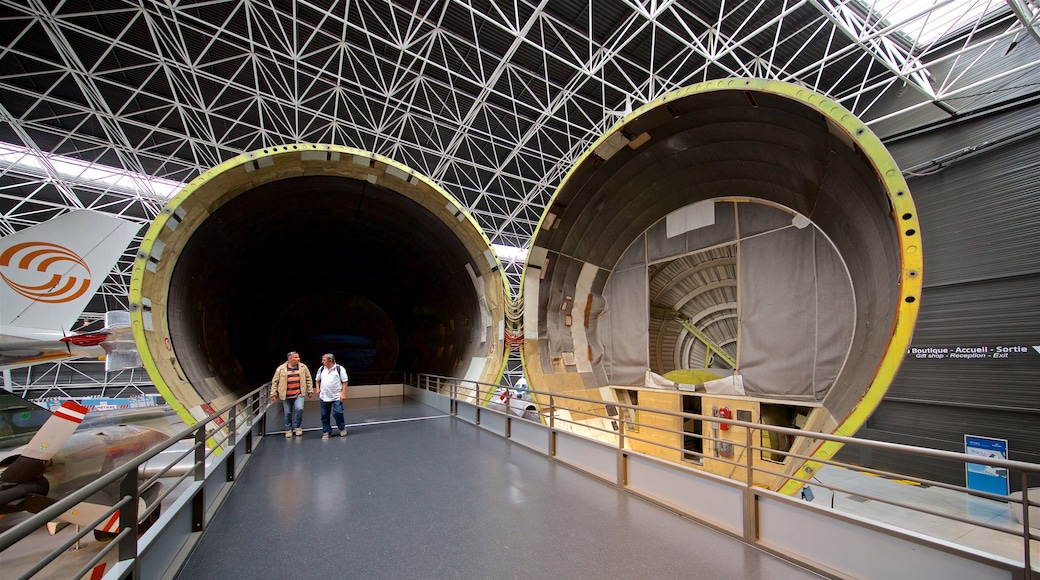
[(78, 171), (923, 22), (510, 253)]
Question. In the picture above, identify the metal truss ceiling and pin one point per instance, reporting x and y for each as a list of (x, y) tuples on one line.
[(492, 100)]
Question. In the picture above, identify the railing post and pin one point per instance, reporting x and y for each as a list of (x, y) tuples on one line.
[(1028, 568), (552, 412), (750, 499), (198, 503), (622, 464), (509, 418), (261, 399), (128, 521), (232, 442), (552, 426), (253, 412)]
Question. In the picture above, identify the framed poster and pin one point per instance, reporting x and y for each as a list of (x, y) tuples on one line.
[(985, 477)]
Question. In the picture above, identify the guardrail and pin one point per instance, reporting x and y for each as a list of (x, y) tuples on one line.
[(816, 537), (217, 439)]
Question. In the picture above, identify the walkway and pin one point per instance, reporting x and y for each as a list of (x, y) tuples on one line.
[(412, 493)]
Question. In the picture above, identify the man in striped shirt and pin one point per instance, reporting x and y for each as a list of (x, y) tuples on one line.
[(290, 383)]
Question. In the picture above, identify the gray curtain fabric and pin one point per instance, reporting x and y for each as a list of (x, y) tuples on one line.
[(797, 314), (796, 303), (625, 327), (835, 313)]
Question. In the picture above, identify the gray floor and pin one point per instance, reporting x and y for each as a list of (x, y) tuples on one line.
[(411, 493)]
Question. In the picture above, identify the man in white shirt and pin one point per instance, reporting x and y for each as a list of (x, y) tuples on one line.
[(331, 380)]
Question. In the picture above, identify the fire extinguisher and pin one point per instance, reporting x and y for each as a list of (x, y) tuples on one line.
[(725, 413)]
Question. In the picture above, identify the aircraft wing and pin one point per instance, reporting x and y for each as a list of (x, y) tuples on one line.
[(86, 513), (82, 514), (20, 352)]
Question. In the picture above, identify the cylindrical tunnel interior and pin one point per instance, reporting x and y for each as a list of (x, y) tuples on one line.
[(315, 249), (718, 182)]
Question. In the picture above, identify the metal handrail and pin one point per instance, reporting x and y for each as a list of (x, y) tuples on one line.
[(481, 392), (256, 405)]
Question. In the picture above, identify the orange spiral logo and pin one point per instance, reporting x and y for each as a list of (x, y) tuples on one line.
[(41, 257)]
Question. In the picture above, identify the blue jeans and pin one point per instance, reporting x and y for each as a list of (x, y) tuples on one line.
[(293, 409), (337, 411)]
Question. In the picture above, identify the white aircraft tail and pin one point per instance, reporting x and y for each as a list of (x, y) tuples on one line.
[(50, 271)]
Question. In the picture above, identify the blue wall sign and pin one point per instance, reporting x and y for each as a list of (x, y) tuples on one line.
[(984, 477)]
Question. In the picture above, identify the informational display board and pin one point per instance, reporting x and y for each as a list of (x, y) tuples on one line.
[(984, 477), (105, 404)]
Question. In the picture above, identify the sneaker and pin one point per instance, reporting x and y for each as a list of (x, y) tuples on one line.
[(299, 432), (288, 434), (342, 432), (324, 436)]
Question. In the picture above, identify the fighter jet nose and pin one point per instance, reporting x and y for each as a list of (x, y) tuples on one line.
[(313, 248)]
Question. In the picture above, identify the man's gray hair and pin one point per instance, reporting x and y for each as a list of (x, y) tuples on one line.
[(330, 356), (291, 352)]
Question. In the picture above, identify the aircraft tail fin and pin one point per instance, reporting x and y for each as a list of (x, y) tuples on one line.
[(50, 271), (55, 432)]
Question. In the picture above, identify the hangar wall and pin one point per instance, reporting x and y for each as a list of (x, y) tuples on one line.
[(980, 220)]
